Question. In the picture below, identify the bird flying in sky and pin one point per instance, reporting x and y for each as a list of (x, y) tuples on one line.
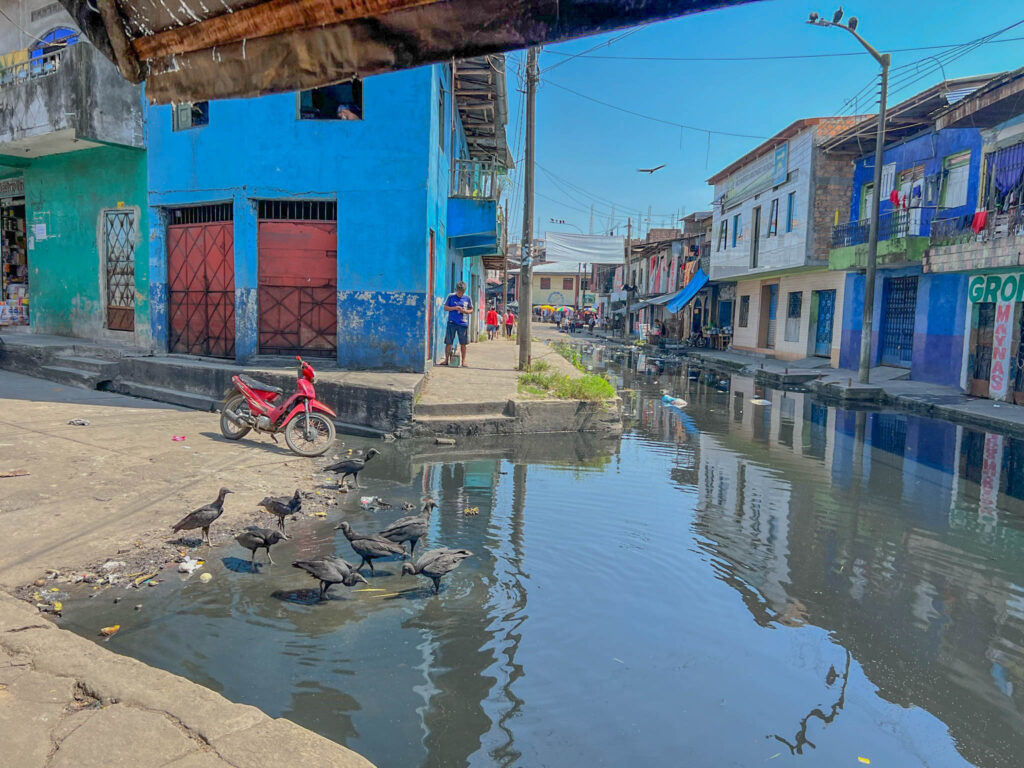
[(650, 170)]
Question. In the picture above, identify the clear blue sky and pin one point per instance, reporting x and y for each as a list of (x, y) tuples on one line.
[(594, 151)]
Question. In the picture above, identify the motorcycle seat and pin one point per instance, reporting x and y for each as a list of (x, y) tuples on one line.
[(252, 383)]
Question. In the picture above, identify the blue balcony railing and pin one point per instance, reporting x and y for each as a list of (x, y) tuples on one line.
[(478, 179), (912, 222)]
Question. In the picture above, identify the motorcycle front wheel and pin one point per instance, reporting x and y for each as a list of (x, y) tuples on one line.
[(237, 404), (309, 434)]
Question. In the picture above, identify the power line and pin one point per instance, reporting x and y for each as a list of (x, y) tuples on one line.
[(571, 56), (785, 57), (654, 119)]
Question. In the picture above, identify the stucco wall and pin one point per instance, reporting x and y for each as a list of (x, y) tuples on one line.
[(66, 194), (804, 282), (386, 172)]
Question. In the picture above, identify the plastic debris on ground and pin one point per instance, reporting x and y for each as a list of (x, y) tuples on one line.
[(863, 760), (110, 631), (206, 577), (761, 401), (367, 501), (178, 438), (78, 423), (189, 565), (471, 511), (15, 473)]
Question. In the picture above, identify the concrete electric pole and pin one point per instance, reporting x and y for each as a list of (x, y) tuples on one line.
[(526, 267)]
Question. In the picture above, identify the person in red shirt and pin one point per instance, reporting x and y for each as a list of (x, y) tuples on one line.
[(510, 321), (491, 321)]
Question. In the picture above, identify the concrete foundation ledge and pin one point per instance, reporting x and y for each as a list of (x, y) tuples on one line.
[(522, 417), (867, 394), (65, 701)]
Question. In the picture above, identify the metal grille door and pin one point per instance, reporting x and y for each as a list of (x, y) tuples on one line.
[(773, 311), (298, 302), (119, 249), (898, 320), (201, 288), (826, 318)]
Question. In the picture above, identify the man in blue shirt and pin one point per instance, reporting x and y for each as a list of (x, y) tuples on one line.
[(459, 307)]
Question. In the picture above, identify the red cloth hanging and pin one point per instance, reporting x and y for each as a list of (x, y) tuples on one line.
[(894, 197), (979, 221)]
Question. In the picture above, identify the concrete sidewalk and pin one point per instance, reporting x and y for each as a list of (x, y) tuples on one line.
[(66, 702)]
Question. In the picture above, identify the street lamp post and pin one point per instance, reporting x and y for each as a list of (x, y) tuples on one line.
[(883, 59)]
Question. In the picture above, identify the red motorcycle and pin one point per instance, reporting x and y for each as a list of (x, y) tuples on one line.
[(305, 421)]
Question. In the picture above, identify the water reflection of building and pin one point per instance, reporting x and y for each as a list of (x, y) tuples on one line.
[(886, 544)]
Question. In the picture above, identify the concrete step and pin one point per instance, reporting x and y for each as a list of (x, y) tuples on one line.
[(495, 408), (462, 426), (73, 377), (94, 364), (166, 395)]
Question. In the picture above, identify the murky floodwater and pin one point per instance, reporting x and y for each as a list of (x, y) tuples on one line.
[(730, 584)]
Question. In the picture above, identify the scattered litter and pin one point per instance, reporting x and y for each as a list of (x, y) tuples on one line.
[(206, 578), (39, 582), (371, 589), (321, 513), (761, 401), (138, 607), (444, 441), (189, 565), (78, 423), (471, 511), (58, 606), (367, 501), (178, 438), (15, 473), (618, 660), (112, 564), (144, 578), (863, 760), (777, 754), (110, 631)]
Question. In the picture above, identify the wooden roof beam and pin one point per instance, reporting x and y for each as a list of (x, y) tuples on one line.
[(263, 20)]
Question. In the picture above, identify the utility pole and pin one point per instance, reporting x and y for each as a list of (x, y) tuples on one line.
[(526, 267), (590, 230), (867, 320), (504, 264), (625, 276)]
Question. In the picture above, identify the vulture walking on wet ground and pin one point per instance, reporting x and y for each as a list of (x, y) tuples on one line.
[(410, 529), (330, 571), (369, 546), (259, 538), (283, 506), (203, 517), (351, 467), (435, 563)]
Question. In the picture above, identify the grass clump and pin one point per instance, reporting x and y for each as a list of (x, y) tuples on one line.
[(540, 380), (571, 354)]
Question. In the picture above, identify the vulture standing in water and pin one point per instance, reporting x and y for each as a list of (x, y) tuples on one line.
[(369, 546), (435, 563), (351, 467), (203, 517), (410, 529), (329, 571), (259, 538), (283, 506)]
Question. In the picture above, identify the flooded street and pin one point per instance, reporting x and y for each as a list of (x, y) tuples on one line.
[(732, 583)]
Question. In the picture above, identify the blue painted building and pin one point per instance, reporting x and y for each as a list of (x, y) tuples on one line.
[(927, 174), (328, 223)]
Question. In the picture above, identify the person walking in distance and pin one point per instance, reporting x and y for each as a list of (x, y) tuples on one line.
[(491, 321), (510, 321), (459, 307)]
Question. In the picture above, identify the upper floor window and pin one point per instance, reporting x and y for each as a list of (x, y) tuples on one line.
[(773, 219), (342, 101), (956, 169), (737, 223), (566, 283), (545, 283), (790, 211), (723, 233), (54, 40), (191, 114)]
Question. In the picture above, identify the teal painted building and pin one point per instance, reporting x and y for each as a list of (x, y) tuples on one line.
[(73, 193)]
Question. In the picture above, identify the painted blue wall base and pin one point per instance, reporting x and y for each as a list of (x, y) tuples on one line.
[(381, 330)]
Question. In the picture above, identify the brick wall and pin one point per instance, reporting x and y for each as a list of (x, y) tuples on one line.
[(833, 185), (991, 254)]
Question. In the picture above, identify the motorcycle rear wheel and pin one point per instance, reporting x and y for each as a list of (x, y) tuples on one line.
[(228, 428), (320, 436)]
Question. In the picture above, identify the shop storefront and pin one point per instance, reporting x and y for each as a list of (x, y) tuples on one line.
[(995, 357), (14, 249)]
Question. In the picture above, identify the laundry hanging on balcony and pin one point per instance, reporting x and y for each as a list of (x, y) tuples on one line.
[(1005, 167)]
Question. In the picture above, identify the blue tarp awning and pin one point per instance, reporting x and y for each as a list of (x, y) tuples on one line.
[(685, 296)]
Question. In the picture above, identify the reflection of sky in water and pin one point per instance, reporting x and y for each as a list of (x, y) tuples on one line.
[(729, 583)]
